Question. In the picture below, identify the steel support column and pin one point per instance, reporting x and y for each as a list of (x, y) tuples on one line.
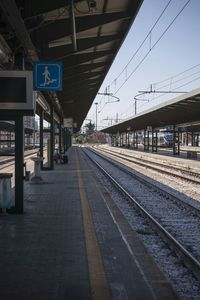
[(176, 144), (121, 139), (52, 135), (135, 140), (65, 139), (60, 138), (41, 136), (19, 165), (112, 141), (154, 141), (187, 138), (146, 140), (117, 140)]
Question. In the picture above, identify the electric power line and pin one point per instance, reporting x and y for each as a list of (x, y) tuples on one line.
[(172, 83), (149, 33), (176, 74), (153, 46), (178, 87)]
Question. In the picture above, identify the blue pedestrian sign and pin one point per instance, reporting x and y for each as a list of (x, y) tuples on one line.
[(47, 76)]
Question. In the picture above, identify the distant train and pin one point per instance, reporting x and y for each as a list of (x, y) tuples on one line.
[(164, 139)]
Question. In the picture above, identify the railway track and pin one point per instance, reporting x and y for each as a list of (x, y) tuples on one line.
[(178, 225), (9, 161), (161, 167), (168, 194)]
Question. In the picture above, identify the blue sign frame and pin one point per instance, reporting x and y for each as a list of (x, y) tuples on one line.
[(47, 76)]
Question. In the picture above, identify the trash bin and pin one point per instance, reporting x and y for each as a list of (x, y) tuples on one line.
[(65, 159), (36, 176), (5, 190)]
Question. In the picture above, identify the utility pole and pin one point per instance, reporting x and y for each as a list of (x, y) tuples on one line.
[(136, 103), (111, 95), (96, 103), (152, 91)]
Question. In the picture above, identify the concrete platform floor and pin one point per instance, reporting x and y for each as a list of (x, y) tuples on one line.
[(68, 244)]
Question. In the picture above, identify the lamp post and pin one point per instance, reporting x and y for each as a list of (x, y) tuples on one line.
[(96, 103)]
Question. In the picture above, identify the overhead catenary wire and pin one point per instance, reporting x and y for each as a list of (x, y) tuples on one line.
[(125, 68), (172, 83), (151, 47), (178, 87), (163, 95), (180, 73), (138, 49), (161, 36)]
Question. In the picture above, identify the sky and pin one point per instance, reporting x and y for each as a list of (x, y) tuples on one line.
[(168, 60)]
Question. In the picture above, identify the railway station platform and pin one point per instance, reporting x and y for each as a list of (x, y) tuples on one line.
[(168, 152), (73, 242)]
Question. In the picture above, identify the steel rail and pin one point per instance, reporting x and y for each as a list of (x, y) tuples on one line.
[(9, 162), (165, 193), (146, 163), (187, 258)]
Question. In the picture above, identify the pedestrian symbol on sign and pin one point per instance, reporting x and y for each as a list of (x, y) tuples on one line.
[(47, 76)]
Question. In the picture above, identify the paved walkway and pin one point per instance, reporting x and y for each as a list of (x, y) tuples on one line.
[(42, 253), (67, 246)]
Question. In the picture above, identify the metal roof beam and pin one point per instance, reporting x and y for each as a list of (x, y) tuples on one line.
[(13, 16), (76, 59), (85, 93), (86, 67), (62, 28), (74, 89), (38, 7), (76, 85), (83, 44), (77, 99), (74, 76)]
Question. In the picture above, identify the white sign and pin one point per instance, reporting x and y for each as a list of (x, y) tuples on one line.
[(68, 122)]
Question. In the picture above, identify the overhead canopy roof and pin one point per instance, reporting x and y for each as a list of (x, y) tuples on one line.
[(44, 29), (182, 109)]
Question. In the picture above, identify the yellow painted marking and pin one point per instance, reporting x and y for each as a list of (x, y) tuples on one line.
[(99, 286)]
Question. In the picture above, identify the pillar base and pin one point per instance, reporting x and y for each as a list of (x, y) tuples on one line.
[(36, 179)]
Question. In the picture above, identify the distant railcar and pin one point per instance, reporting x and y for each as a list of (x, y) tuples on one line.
[(165, 139)]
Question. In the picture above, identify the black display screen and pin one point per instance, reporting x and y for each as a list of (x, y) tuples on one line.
[(13, 90)]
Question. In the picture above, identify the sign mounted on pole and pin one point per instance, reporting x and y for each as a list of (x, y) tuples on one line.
[(68, 122), (47, 76)]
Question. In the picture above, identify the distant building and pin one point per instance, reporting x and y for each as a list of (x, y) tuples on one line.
[(30, 123), (31, 131), (96, 137)]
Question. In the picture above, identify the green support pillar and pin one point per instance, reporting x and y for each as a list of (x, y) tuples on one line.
[(41, 135), (19, 165), (52, 135)]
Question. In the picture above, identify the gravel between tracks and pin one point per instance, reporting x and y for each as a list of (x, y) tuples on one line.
[(183, 281)]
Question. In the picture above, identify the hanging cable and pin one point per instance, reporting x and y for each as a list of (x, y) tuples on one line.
[(154, 45), (189, 69), (143, 41), (164, 86)]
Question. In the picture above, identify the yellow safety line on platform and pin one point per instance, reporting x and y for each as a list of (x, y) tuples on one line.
[(99, 286)]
